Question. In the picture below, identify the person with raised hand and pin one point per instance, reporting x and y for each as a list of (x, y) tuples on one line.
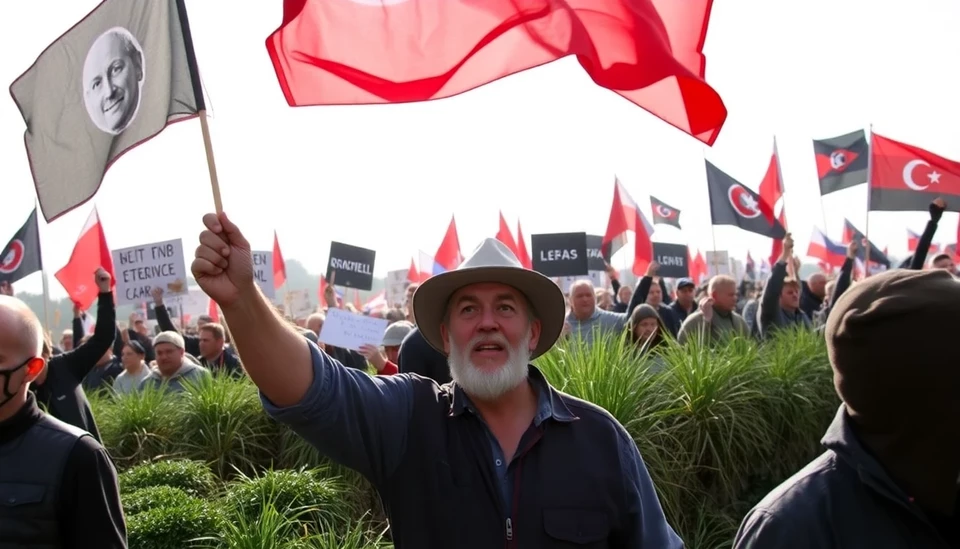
[(496, 457)]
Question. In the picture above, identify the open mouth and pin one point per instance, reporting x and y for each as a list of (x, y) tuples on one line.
[(488, 348)]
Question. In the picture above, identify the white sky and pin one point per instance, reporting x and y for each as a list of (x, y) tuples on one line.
[(543, 145)]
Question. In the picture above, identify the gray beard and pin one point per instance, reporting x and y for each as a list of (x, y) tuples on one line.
[(489, 385)]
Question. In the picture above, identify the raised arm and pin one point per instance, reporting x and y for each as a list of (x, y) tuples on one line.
[(357, 420), (937, 208), (84, 357)]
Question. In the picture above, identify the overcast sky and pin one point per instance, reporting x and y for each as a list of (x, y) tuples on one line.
[(544, 145)]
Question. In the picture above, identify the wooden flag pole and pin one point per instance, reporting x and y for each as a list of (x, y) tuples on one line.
[(201, 103)]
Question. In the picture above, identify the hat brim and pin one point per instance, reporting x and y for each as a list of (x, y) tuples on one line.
[(432, 297)]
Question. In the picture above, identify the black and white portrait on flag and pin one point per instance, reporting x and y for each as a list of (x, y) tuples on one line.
[(111, 82), (113, 74)]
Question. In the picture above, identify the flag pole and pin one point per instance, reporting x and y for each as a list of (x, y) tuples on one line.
[(866, 262), (201, 104), (43, 271)]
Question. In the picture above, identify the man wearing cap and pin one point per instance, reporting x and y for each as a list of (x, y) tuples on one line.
[(386, 361), (684, 304), (173, 368), (889, 476), (496, 458)]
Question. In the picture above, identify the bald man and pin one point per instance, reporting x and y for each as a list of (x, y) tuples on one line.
[(812, 293), (58, 486)]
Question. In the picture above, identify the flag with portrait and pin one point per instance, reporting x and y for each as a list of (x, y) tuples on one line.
[(114, 80)]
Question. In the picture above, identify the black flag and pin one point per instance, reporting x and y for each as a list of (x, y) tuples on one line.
[(731, 203), (21, 256), (841, 161), (664, 214)]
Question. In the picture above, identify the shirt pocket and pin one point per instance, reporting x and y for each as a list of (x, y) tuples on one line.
[(576, 527)]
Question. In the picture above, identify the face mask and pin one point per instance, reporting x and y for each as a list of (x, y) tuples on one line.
[(6, 376)]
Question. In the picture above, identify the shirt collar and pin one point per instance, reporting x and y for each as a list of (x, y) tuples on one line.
[(550, 405)]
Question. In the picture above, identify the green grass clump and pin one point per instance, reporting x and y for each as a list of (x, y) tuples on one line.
[(193, 477)]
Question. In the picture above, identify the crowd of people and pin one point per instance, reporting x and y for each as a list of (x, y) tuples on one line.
[(465, 440)]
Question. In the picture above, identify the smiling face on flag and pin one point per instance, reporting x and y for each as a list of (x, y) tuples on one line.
[(113, 77)]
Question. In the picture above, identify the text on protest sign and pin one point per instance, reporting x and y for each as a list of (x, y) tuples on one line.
[(351, 331), (140, 269), (595, 253), (263, 272), (353, 265), (396, 287), (560, 254), (672, 259)]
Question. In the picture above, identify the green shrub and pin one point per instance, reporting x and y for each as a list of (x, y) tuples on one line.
[(326, 498), (155, 497), (174, 527), (136, 427), (193, 477), (220, 421)]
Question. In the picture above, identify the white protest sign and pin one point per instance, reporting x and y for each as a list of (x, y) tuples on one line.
[(194, 303), (140, 269), (350, 331), (299, 304), (263, 272), (718, 262), (396, 287)]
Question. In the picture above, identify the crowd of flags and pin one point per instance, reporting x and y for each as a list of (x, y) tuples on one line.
[(648, 51)]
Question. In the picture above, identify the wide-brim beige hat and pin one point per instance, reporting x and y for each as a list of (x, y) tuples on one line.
[(490, 262)]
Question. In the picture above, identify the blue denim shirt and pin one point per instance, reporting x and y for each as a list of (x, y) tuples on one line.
[(362, 422)]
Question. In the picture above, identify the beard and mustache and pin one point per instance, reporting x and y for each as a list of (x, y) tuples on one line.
[(489, 385)]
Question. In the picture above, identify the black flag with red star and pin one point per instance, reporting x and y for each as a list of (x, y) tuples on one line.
[(21, 256), (731, 203), (664, 214), (842, 161)]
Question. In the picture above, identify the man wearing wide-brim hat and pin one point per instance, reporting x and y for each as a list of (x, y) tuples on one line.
[(497, 457)]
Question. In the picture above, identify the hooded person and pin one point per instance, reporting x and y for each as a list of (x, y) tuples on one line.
[(890, 473), (496, 457)]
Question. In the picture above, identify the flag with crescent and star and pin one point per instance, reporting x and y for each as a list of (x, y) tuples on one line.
[(841, 161), (732, 203), (664, 214), (21, 256), (905, 178)]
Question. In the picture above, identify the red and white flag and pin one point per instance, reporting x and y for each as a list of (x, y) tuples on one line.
[(904, 178), (279, 265), (626, 217), (89, 254), (506, 237), (522, 252)]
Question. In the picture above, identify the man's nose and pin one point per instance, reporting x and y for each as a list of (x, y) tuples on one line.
[(488, 320)]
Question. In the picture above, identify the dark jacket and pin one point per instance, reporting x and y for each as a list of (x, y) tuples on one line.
[(227, 363), (771, 315), (577, 479), (61, 392), (418, 357), (58, 487), (843, 499), (809, 303), (667, 315)]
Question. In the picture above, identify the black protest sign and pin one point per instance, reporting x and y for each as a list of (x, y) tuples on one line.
[(352, 265), (672, 259), (560, 254), (595, 254)]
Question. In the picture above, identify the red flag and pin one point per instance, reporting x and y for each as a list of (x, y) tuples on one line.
[(413, 274), (698, 270), (361, 52), (448, 255), (212, 311), (626, 217), (522, 252), (90, 253), (506, 237), (912, 240), (279, 265), (771, 192), (905, 178)]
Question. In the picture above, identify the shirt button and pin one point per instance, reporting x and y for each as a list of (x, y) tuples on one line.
[(499, 463)]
